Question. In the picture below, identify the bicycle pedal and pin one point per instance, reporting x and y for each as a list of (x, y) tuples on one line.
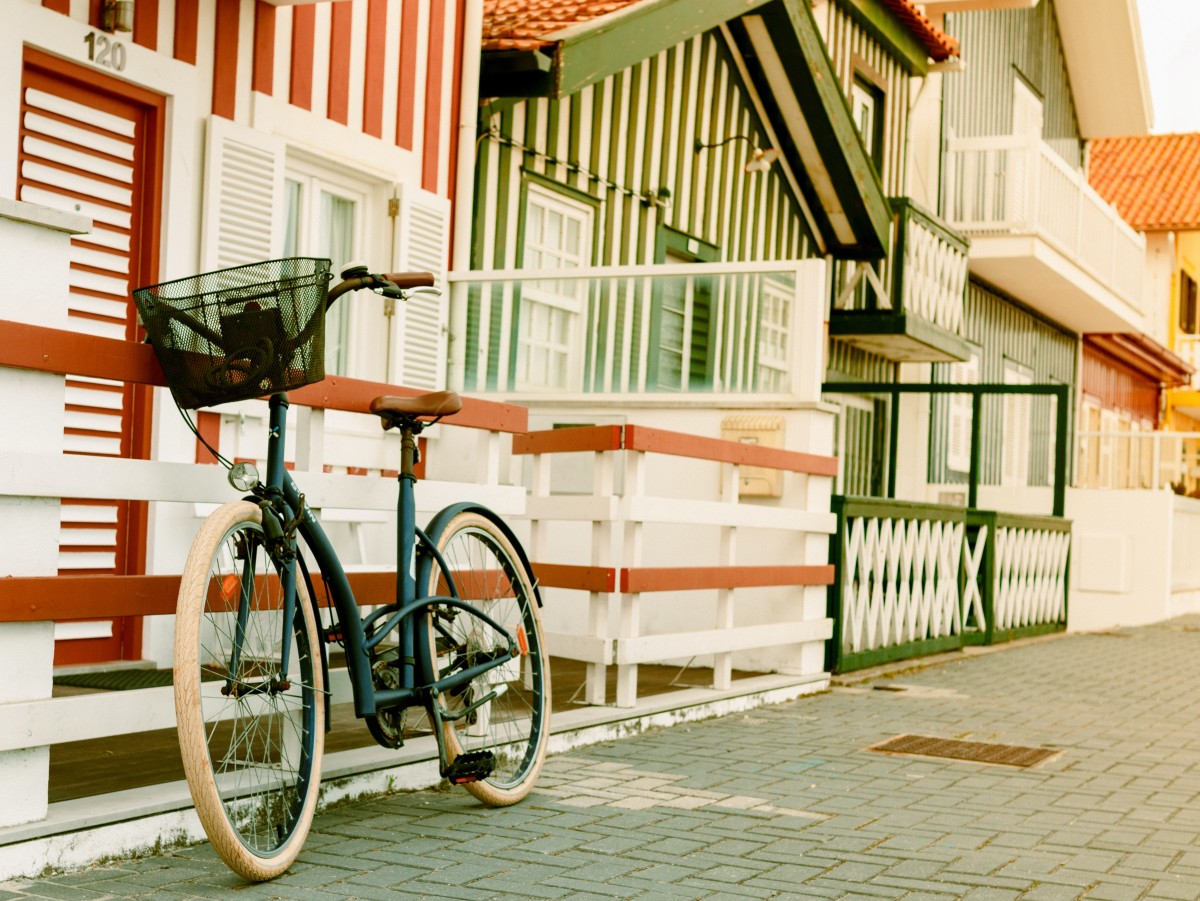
[(470, 767)]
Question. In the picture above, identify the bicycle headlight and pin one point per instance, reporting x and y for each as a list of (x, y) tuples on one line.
[(243, 476)]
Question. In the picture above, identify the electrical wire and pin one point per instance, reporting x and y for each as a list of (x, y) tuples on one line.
[(224, 461)]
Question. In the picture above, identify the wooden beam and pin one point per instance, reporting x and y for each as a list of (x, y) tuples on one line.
[(590, 52), (24, 346), (555, 441), (652, 648), (680, 444), (581, 578), (63, 598), (689, 578)]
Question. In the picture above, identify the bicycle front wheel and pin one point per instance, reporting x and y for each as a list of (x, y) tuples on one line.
[(251, 729), (514, 725)]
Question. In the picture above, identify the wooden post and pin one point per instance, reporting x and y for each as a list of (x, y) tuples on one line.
[(631, 558), (598, 602), (727, 556), (37, 243)]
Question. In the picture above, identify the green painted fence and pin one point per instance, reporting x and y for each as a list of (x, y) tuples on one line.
[(916, 579)]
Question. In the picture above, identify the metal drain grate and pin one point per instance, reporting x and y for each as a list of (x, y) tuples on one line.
[(978, 751)]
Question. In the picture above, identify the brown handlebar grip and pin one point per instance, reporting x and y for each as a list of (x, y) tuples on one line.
[(410, 279)]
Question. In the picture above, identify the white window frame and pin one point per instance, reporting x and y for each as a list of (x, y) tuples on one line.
[(960, 413), (776, 304), (1018, 427), (355, 325), (566, 298)]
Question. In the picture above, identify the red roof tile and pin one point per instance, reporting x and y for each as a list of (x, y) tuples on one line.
[(1152, 180), (938, 44), (524, 24)]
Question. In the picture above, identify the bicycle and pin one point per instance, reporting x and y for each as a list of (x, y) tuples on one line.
[(462, 638)]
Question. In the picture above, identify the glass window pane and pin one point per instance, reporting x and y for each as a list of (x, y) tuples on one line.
[(292, 196)]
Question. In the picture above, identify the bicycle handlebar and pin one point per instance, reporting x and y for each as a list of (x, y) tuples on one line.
[(393, 284)]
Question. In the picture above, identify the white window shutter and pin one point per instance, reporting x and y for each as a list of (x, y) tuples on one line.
[(1017, 409), (958, 449), (1108, 425), (424, 238), (243, 196)]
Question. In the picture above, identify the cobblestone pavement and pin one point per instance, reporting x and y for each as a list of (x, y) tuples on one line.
[(787, 802)]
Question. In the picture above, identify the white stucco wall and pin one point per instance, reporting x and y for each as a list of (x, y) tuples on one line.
[(1132, 557)]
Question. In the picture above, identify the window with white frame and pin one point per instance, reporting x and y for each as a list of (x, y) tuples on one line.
[(1090, 463), (774, 336), (961, 413), (324, 216), (550, 334)]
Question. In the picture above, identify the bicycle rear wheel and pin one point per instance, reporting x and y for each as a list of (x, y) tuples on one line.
[(251, 735), (515, 725)]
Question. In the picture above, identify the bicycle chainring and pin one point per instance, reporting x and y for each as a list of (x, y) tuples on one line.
[(387, 726)]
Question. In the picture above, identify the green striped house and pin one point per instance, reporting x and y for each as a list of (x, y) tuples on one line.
[(670, 134)]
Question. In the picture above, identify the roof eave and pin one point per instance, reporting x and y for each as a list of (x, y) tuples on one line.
[(1102, 42), (787, 59), (1145, 356)]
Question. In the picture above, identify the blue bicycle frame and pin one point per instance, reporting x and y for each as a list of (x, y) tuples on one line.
[(416, 684)]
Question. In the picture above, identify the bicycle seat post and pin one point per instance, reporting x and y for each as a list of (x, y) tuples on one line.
[(406, 528)]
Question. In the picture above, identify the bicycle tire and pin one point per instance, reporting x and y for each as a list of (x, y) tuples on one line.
[(488, 572), (252, 757)]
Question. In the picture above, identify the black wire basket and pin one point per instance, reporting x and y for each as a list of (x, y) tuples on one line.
[(239, 333)]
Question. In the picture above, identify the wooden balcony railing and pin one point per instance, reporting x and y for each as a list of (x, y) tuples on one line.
[(888, 306)]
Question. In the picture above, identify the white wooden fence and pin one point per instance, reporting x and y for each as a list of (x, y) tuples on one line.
[(752, 571), (1138, 460)]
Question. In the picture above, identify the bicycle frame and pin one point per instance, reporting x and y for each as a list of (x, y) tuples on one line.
[(417, 685)]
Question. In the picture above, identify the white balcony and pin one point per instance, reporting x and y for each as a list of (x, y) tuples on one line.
[(744, 329), (1040, 233)]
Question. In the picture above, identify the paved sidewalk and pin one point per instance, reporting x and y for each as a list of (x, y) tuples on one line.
[(786, 802)]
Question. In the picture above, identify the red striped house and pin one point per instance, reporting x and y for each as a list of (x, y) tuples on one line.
[(211, 133)]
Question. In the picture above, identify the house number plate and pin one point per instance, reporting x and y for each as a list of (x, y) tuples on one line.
[(104, 51)]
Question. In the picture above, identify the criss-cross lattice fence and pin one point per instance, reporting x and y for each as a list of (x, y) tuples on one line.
[(1023, 573), (915, 579)]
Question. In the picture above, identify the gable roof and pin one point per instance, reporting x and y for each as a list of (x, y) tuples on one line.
[(533, 24), (1152, 180)]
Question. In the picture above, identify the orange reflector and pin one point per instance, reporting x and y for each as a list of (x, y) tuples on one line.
[(522, 641), (229, 587)]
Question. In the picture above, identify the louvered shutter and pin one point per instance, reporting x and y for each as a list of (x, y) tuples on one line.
[(1016, 427), (243, 196), (1027, 123), (423, 234), (1108, 425), (958, 444), (82, 159)]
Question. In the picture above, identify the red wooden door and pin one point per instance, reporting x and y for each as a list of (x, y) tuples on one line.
[(91, 144)]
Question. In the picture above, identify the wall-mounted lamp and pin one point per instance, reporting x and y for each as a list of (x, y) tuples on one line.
[(116, 15), (760, 160), (660, 198)]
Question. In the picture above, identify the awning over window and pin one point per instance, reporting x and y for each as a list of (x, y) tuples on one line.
[(1145, 356)]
